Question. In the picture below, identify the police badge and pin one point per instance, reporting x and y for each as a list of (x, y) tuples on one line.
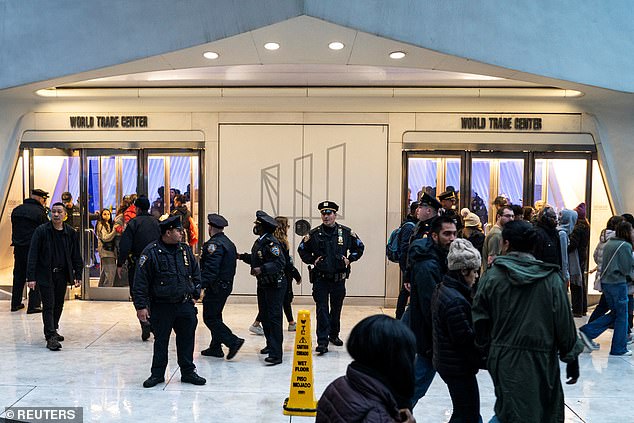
[(211, 248), (275, 250), (142, 260)]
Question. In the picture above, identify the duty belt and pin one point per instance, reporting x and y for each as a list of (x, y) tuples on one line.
[(337, 277)]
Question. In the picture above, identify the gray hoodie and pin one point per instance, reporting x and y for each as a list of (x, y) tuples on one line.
[(567, 220)]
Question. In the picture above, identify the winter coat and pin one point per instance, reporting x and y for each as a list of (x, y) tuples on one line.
[(606, 234), (476, 238), (567, 222), (129, 213), (492, 246), (357, 397), (25, 218), (547, 245), (455, 353), (522, 317), (38, 266), (579, 240), (428, 263), (105, 236), (403, 240)]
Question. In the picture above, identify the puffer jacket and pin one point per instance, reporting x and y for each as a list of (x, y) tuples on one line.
[(357, 397), (606, 234), (455, 353)]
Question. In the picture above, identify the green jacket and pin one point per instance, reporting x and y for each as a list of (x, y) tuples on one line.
[(617, 261), (522, 317)]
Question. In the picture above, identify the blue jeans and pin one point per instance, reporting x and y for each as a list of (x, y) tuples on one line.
[(424, 375), (616, 298)]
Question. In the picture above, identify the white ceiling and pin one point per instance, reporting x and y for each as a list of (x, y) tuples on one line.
[(303, 59)]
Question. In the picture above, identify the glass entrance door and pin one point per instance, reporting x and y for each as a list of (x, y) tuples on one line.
[(110, 179), (433, 175)]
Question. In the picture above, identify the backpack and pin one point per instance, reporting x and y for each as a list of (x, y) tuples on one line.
[(392, 250)]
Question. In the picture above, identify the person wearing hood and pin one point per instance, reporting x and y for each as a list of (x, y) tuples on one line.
[(523, 322), (606, 235), (579, 241), (616, 269), (428, 262), (378, 384), (456, 358), (569, 260)]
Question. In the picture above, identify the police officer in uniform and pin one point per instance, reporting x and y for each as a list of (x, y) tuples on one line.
[(25, 218), (427, 210), (330, 248), (267, 265), (448, 201), (218, 268), (73, 216), (140, 232), (167, 282)]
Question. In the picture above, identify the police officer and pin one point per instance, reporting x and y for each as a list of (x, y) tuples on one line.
[(167, 282), (330, 248), (25, 218), (218, 268), (141, 231), (448, 201), (427, 210), (267, 265), (73, 216)]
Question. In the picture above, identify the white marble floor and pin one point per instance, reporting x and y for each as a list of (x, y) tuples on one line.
[(103, 364)]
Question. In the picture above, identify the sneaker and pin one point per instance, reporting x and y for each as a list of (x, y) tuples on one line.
[(193, 378), (292, 327), (256, 330), (627, 353), (53, 344), (588, 342)]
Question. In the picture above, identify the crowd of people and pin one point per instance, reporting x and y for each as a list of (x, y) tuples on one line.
[(492, 299)]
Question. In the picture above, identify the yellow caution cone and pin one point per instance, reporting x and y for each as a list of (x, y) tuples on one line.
[(301, 401)]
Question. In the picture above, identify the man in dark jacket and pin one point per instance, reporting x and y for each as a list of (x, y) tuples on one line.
[(25, 218), (428, 263), (54, 262), (218, 268), (140, 232), (167, 282), (547, 246), (407, 228)]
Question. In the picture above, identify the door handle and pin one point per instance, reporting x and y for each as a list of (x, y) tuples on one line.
[(90, 242)]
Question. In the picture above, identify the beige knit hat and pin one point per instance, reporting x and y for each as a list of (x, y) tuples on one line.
[(463, 255), (470, 219)]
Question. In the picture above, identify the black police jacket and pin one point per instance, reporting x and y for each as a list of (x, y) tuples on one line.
[(25, 218), (333, 245), (166, 274), (218, 261), (140, 232), (73, 217), (267, 254), (38, 267)]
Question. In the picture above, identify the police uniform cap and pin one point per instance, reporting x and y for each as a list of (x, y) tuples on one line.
[(447, 195), (216, 220), (66, 196), (39, 193), (263, 218), (172, 222), (328, 205), (428, 201)]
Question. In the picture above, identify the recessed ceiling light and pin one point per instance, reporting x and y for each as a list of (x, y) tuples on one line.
[(271, 46), (336, 45), (211, 55), (397, 55)]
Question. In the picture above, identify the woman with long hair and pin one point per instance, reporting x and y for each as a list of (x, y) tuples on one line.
[(106, 247), (379, 383), (281, 233)]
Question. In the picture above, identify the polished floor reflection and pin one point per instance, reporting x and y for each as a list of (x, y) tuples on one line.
[(103, 364)]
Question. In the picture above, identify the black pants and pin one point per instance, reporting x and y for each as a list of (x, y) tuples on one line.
[(465, 397), (213, 303), (260, 297), (401, 302), (272, 318), (53, 303), (288, 299), (20, 257), (131, 265), (182, 318), (328, 316), (579, 297)]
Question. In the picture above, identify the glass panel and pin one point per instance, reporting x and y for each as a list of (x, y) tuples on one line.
[(480, 187), (422, 177), (491, 178), (511, 180), (600, 213), (562, 182), (156, 185)]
